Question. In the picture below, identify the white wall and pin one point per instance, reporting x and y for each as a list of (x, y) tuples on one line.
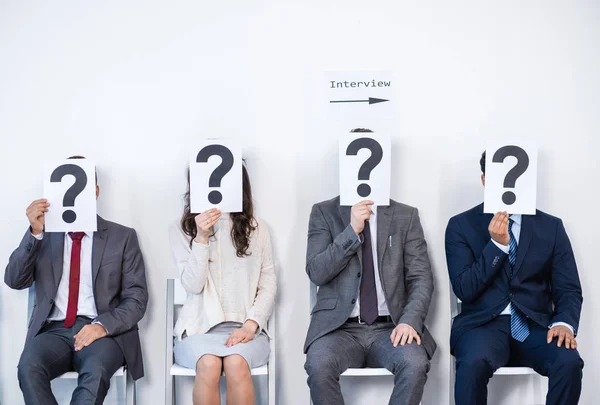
[(132, 85)]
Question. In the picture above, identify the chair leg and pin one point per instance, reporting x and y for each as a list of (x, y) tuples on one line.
[(130, 391), (170, 390), (271, 389)]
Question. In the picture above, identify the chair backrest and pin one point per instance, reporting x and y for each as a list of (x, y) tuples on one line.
[(455, 305), (180, 294)]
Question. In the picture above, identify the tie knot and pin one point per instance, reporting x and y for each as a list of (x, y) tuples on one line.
[(76, 235), (510, 221)]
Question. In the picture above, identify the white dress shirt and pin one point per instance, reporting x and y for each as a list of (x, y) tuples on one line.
[(86, 305), (381, 304), (516, 231)]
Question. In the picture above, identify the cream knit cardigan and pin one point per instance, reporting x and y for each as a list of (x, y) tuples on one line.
[(221, 286)]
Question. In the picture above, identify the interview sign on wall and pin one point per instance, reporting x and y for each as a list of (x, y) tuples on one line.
[(365, 95)]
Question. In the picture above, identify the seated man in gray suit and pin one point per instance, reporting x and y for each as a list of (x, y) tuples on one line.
[(375, 285), (90, 294)]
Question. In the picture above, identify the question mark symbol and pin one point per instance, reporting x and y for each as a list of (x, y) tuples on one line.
[(217, 175), (57, 175), (367, 167), (509, 197)]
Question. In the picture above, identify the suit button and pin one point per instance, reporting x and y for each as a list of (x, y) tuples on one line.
[(511, 295), (358, 275), (354, 301), (51, 302)]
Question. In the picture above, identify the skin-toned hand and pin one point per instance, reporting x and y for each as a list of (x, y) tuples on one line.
[(563, 334), (244, 334), (204, 222), (35, 214), (499, 228), (404, 334), (360, 213), (88, 335)]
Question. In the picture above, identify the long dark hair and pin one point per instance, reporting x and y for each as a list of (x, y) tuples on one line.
[(243, 225)]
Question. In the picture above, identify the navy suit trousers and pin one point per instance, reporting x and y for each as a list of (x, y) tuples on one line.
[(482, 350)]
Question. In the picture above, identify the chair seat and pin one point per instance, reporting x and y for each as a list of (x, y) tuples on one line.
[(515, 371), (183, 371), (74, 375), (365, 372)]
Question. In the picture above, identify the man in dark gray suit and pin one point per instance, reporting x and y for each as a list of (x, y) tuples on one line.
[(90, 294), (375, 285)]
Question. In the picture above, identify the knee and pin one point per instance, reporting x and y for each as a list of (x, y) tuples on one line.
[(569, 363), (414, 365), (474, 366), (28, 372), (236, 367), (321, 367), (208, 368), (96, 372)]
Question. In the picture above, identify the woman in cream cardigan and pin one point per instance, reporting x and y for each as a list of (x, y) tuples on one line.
[(226, 267)]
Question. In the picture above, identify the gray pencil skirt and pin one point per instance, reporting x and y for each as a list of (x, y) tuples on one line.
[(191, 348)]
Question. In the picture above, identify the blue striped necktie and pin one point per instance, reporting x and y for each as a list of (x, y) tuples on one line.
[(519, 328)]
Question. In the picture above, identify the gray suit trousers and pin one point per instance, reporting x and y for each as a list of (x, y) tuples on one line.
[(51, 353), (356, 345)]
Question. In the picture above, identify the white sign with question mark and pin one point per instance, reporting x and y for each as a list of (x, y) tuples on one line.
[(70, 188), (216, 176), (510, 177), (365, 168)]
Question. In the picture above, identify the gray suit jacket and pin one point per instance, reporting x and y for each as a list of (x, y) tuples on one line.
[(119, 282), (334, 259)]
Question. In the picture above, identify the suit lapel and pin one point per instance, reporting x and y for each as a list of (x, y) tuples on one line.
[(524, 241), (384, 220), (100, 239), (57, 244)]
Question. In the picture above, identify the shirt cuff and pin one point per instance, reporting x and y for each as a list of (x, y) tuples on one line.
[(96, 322), (503, 248), (40, 236), (562, 324)]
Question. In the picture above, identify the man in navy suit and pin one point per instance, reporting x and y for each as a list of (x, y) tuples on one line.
[(521, 301)]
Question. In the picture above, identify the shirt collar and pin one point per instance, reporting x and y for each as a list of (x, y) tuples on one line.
[(516, 218), (89, 234)]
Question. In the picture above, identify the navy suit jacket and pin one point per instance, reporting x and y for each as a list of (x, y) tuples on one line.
[(545, 284)]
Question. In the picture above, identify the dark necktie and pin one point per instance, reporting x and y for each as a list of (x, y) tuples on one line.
[(74, 278), (519, 328), (368, 293)]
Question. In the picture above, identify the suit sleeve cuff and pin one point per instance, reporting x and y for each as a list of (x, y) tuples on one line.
[(39, 236), (503, 248), (348, 240), (97, 322), (562, 324)]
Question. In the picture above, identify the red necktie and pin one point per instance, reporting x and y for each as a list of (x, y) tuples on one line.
[(74, 278)]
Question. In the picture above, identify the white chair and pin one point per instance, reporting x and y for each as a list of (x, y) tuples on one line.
[(176, 296), (130, 394), (351, 372), (456, 306)]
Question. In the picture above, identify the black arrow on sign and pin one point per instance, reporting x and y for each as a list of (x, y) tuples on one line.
[(371, 100)]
